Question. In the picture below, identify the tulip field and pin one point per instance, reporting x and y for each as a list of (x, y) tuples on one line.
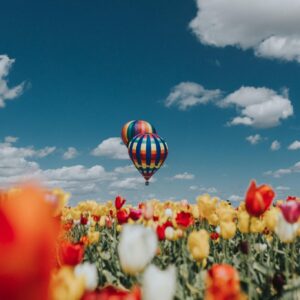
[(204, 249)]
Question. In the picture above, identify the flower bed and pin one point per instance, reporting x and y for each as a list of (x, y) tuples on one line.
[(170, 250)]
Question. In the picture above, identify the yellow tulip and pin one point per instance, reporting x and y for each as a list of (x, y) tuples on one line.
[(195, 211), (75, 213), (213, 219), (243, 221), (270, 218), (206, 205), (65, 285), (93, 237), (257, 225), (102, 221), (226, 213), (198, 244), (228, 230)]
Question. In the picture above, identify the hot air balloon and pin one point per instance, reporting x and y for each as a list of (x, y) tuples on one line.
[(133, 128), (148, 152)]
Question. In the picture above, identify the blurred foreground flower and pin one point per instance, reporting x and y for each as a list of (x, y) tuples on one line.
[(137, 247), (66, 285), (258, 199), (27, 244), (158, 284), (222, 283), (89, 272), (111, 293)]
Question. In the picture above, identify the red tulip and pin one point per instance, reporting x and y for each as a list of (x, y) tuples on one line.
[(258, 199), (119, 202), (222, 283), (155, 218), (96, 218), (291, 211), (83, 220), (184, 219), (71, 254), (160, 230), (214, 236), (109, 222), (135, 214), (291, 198), (122, 216)]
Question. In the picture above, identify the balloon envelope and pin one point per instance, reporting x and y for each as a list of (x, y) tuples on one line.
[(133, 128), (148, 153)]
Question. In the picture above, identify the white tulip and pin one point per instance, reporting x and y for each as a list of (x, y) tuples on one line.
[(158, 284), (168, 212), (260, 247), (90, 274), (286, 231), (169, 233), (137, 247)]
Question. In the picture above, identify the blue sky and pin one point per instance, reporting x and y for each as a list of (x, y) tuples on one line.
[(82, 69)]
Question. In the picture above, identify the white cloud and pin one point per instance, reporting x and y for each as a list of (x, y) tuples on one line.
[(10, 139), (254, 139), (76, 179), (259, 107), (17, 166), (76, 173), (45, 151), (112, 147), (193, 187), (7, 93), (235, 198), (286, 171), (294, 146), (209, 190), (275, 145), (125, 169), (282, 188), (189, 94), (70, 153), (130, 183), (278, 173), (184, 176), (270, 27)]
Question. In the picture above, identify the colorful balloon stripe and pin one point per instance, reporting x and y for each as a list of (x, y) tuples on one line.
[(148, 153), (133, 128)]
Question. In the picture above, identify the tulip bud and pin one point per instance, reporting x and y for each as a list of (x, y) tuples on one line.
[(278, 281)]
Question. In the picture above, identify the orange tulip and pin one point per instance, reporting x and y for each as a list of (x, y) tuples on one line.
[(222, 283), (27, 244)]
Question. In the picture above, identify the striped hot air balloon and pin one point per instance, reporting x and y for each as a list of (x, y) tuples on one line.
[(133, 128), (148, 152)]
